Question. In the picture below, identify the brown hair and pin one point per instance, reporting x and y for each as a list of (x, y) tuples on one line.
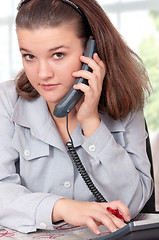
[(126, 83)]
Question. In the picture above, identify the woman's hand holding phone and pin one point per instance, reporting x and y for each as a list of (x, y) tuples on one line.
[(90, 214), (87, 108)]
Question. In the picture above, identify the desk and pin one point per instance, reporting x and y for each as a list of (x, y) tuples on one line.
[(62, 232), (65, 231)]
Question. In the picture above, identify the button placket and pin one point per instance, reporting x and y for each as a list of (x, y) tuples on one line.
[(67, 184)]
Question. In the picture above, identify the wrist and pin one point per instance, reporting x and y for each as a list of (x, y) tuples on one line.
[(56, 213), (89, 126)]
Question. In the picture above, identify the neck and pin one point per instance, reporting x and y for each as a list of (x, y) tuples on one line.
[(61, 124)]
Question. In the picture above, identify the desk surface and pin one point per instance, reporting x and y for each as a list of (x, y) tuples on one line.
[(62, 232), (65, 231)]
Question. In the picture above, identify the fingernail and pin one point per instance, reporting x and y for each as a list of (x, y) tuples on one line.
[(115, 230), (128, 219), (98, 232)]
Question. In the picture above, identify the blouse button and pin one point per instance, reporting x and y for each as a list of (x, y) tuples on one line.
[(27, 153), (67, 184), (92, 148)]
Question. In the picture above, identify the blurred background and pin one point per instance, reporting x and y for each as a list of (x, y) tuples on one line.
[(138, 23)]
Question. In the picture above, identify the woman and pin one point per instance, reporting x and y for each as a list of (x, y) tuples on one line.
[(40, 185)]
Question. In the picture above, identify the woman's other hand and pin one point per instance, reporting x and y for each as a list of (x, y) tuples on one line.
[(90, 214)]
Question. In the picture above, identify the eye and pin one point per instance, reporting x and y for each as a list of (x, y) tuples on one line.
[(58, 55), (28, 57)]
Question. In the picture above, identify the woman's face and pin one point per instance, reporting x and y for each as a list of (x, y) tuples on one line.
[(50, 56)]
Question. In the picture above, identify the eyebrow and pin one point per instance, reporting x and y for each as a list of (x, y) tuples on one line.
[(50, 50)]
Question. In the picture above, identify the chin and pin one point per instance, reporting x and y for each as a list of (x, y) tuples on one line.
[(51, 97), (52, 100)]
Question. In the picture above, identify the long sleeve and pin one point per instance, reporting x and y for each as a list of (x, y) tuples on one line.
[(119, 164), (21, 209)]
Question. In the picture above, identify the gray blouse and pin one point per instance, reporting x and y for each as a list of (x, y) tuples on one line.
[(36, 170)]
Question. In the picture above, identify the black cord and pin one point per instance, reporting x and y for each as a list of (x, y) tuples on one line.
[(74, 156)]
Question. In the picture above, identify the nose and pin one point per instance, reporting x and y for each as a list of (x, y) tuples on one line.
[(44, 70)]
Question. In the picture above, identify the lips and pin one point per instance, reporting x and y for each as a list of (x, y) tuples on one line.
[(49, 86)]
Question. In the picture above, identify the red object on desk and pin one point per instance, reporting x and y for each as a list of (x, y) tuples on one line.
[(115, 212)]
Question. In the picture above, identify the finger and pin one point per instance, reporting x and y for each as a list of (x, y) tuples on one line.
[(123, 209), (88, 92), (91, 77), (107, 221), (83, 87), (84, 74), (100, 63), (119, 223), (91, 63), (92, 225), (96, 58)]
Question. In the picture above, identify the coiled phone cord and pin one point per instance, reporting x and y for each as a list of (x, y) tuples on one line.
[(74, 156)]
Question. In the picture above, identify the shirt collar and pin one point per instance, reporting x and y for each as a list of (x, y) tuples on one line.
[(36, 116)]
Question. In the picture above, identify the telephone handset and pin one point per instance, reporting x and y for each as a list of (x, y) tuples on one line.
[(73, 96)]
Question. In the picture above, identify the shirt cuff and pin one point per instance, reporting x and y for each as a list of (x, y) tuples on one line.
[(96, 143), (44, 212)]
